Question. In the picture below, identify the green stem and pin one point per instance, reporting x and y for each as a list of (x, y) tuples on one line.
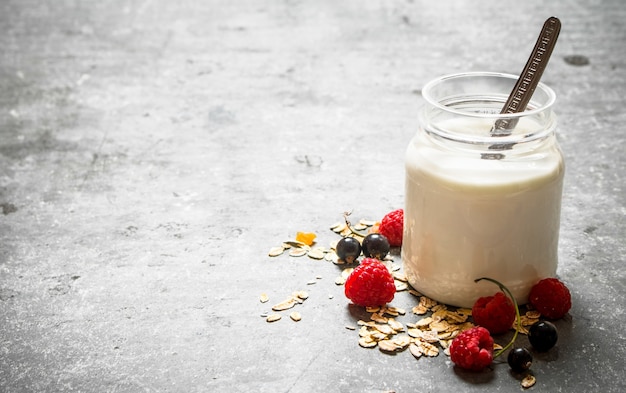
[(517, 316)]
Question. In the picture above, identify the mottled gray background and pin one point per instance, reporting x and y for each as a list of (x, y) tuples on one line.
[(152, 151)]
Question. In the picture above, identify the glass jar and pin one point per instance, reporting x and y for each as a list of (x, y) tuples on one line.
[(480, 203)]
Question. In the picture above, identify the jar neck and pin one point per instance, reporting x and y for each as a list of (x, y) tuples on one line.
[(472, 126)]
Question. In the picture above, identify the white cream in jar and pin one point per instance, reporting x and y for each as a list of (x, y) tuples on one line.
[(478, 205)]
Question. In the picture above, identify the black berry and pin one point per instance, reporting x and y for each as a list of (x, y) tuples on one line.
[(348, 249), (519, 359), (542, 335), (376, 246)]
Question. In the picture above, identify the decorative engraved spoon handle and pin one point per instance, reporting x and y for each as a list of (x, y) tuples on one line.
[(529, 78)]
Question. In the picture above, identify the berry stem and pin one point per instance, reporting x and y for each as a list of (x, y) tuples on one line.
[(517, 316), (349, 225)]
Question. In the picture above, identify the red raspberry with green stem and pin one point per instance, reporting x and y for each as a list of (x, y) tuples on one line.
[(473, 349), (495, 313), (517, 315)]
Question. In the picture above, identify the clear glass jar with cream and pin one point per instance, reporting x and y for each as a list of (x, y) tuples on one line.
[(479, 203)]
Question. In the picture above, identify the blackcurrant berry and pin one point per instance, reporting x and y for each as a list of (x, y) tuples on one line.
[(542, 335), (519, 359), (348, 249), (376, 246)]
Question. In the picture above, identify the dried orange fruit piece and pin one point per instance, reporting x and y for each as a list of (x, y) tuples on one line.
[(307, 238)]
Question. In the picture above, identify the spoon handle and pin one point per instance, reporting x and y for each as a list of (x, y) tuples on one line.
[(530, 76)]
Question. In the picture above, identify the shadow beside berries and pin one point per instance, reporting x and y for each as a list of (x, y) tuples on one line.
[(358, 312), (475, 377), (546, 356)]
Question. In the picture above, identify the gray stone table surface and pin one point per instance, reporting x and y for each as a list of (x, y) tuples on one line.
[(153, 151)]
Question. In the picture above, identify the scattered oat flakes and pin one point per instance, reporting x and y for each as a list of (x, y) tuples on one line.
[(429, 349), (378, 335), (401, 286), (303, 295), (284, 305), (316, 253), (419, 310), (440, 326), (424, 305), (533, 314), (443, 336), (297, 252), (332, 257), (276, 251), (273, 317), (427, 302), (456, 316), (359, 227), (395, 325), (395, 311), (264, 298), (464, 311), (427, 337), (527, 320), (424, 322), (347, 232), (295, 298), (367, 223), (402, 341), (387, 345), (521, 330), (384, 329), (294, 243), (414, 292), (338, 227), (415, 350), (377, 317), (367, 342), (399, 276), (528, 381), (445, 344)]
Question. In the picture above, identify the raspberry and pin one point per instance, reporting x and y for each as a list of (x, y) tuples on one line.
[(391, 227), (472, 349), (494, 313), (370, 284), (551, 298)]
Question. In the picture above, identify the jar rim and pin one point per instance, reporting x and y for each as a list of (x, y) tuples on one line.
[(427, 94)]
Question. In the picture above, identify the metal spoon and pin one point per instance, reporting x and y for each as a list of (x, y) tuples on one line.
[(528, 79)]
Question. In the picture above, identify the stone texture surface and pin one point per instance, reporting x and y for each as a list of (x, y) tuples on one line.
[(151, 152)]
